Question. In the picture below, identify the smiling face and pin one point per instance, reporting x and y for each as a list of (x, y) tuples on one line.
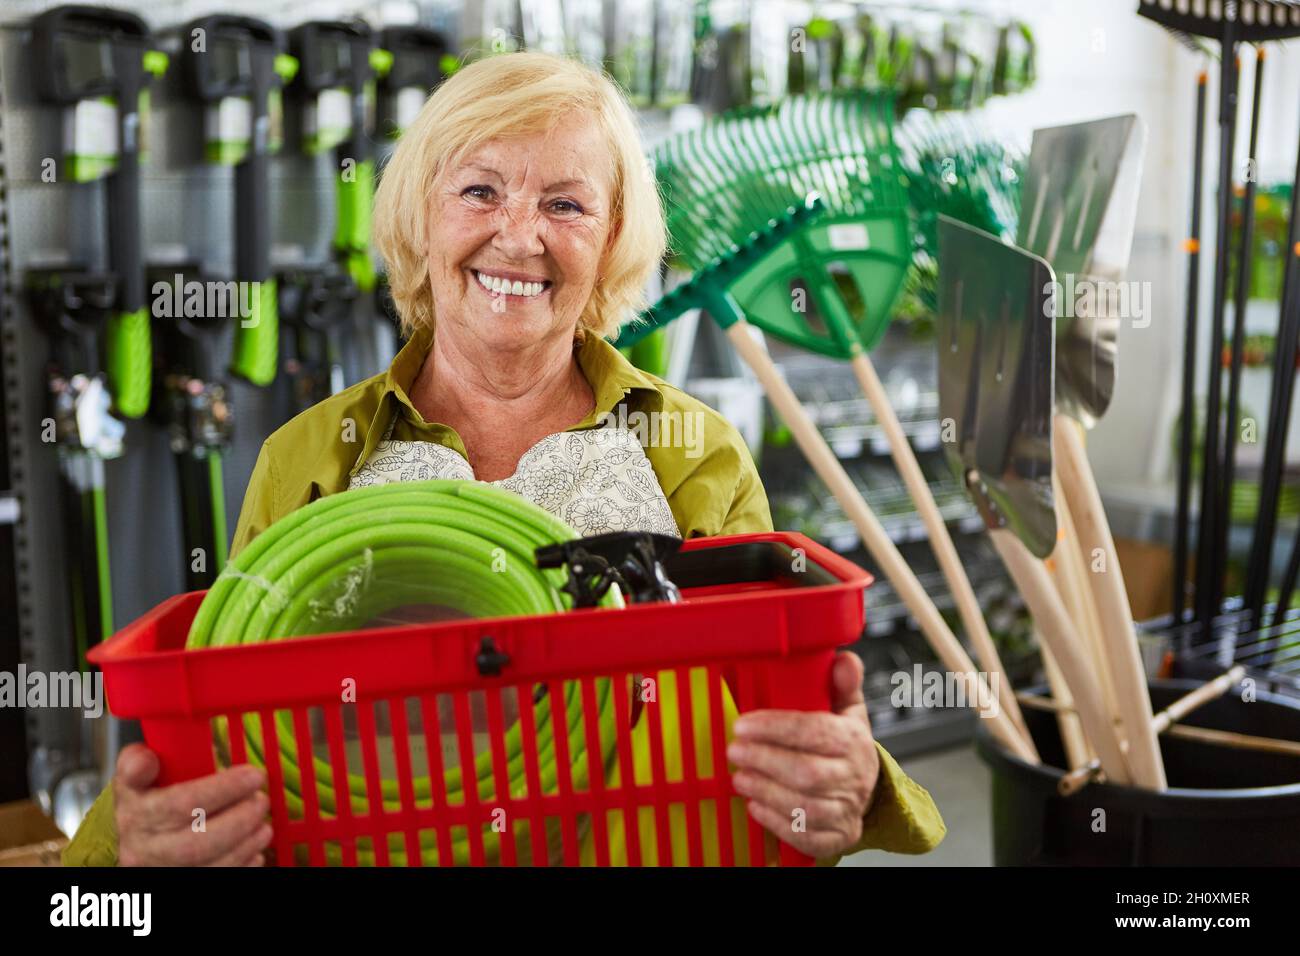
[(517, 231)]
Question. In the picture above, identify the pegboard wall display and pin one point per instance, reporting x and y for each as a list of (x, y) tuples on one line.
[(143, 494)]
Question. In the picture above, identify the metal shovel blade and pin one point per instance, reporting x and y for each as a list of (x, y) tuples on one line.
[(1078, 211), (996, 378)]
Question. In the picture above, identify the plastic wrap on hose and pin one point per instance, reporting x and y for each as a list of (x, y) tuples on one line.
[(400, 553)]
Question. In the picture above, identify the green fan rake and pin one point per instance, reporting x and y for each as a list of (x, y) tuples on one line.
[(794, 219)]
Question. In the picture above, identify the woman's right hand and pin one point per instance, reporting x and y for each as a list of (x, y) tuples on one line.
[(156, 825)]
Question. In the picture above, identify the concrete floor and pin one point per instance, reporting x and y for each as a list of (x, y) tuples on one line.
[(959, 783)]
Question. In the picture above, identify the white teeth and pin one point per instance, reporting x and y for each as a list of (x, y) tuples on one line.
[(506, 287)]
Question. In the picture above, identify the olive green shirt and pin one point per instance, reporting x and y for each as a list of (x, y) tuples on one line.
[(706, 473)]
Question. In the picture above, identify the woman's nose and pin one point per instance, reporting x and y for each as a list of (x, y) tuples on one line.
[(518, 233)]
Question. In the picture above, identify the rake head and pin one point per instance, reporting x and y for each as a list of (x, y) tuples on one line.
[(1251, 21), (995, 340), (956, 169), (726, 182)]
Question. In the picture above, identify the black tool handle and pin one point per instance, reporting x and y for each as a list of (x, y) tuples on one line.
[(1209, 565), (1231, 428), (253, 176), (125, 242), (1186, 431), (1279, 416)]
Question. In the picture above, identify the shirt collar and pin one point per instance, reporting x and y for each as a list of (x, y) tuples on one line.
[(611, 376)]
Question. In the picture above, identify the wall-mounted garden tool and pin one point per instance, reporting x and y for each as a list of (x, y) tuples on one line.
[(74, 308), (996, 370), (94, 64), (315, 304), (237, 75), (420, 59), (1078, 210), (234, 67), (823, 277), (830, 286), (334, 95), (192, 403)]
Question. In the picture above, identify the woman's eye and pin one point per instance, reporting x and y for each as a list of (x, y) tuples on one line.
[(566, 207), (477, 192)]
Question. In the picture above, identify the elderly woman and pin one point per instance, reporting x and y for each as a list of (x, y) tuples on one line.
[(519, 224)]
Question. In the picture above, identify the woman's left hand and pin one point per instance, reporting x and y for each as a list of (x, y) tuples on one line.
[(809, 778)]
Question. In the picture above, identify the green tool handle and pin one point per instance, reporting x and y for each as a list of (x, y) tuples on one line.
[(355, 197), (258, 336), (129, 361), (86, 529), (650, 353)]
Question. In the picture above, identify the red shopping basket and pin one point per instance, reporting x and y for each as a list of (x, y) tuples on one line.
[(397, 746)]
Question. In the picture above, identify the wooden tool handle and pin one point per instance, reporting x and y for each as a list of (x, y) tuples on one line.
[(1078, 752), (1076, 593), (1228, 738), (1202, 695), (1066, 568), (1077, 779), (936, 528), (1107, 583), (877, 542), (1054, 625)]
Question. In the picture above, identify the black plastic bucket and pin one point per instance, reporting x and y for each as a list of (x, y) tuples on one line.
[(1224, 806)]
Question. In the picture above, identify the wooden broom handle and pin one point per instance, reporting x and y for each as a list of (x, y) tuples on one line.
[(877, 542), (1111, 598), (1066, 567), (1078, 753), (936, 528), (1076, 594), (1202, 695), (1054, 625)]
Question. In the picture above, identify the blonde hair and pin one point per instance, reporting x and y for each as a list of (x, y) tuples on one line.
[(514, 94)]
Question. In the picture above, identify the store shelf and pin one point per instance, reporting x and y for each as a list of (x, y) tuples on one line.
[(885, 610)]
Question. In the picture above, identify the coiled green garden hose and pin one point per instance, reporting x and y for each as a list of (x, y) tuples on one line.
[(344, 559)]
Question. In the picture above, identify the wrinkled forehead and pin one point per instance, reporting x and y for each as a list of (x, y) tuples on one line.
[(571, 155)]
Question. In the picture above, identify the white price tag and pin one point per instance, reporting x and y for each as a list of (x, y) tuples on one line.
[(849, 235), (94, 129), (231, 121), (407, 105), (329, 121)]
